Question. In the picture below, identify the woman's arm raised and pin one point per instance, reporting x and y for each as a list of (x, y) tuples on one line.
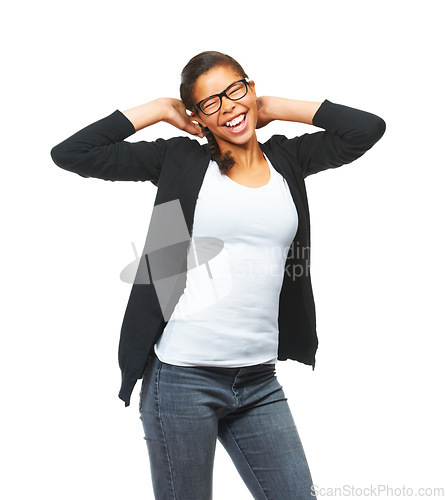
[(278, 108), (99, 149), (165, 109), (348, 132)]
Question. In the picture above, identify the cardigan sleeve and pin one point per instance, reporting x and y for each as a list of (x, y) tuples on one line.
[(99, 150), (348, 134)]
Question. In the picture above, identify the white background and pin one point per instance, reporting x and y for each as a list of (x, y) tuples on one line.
[(372, 412)]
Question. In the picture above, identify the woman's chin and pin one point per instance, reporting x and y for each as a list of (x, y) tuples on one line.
[(239, 139)]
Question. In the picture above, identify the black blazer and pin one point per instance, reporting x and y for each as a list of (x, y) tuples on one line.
[(177, 167)]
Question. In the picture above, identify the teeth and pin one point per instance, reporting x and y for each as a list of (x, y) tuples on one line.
[(235, 121)]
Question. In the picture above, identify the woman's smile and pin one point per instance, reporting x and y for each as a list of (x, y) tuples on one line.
[(237, 124)]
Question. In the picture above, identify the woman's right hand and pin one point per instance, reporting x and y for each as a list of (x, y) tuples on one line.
[(175, 113), (165, 109)]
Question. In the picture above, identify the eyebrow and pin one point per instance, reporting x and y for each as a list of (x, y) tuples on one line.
[(217, 94)]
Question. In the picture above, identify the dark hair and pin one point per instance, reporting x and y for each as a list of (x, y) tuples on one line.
[(197, 66)]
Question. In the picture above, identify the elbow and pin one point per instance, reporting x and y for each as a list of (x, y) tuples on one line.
[(58, 156), (64, 160), (377, 128), (55, 155), (380, 128)]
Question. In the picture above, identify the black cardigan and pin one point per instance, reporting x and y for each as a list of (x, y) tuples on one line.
[(177, 167)]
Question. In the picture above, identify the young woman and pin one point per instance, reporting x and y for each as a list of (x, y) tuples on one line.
[(206, 351)]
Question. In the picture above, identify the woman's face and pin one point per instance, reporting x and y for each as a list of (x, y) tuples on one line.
[(214, 82)]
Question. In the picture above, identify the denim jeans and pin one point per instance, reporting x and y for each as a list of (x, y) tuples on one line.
[(184, 410)]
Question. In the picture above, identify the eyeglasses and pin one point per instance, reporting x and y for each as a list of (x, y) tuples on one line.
[(234, 92)]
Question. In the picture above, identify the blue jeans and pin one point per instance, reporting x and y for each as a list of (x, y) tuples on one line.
[(184, 410)]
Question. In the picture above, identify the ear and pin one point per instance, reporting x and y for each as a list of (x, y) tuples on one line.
[(252, 87), (195, 117)]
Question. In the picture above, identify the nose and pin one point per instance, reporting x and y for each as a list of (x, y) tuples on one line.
[(226, 104)]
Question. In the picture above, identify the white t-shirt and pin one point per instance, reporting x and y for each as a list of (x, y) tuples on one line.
[(228, 313)]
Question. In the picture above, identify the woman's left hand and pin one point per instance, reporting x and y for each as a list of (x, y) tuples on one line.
[(279, 108), (263, 111)]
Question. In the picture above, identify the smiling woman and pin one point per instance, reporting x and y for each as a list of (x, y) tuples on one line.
[(194, 85), (219, 122), (207, 362)]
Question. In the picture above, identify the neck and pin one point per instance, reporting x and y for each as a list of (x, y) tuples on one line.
[(247, 156)]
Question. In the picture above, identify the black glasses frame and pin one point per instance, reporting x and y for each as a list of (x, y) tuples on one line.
[(221, 94)]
